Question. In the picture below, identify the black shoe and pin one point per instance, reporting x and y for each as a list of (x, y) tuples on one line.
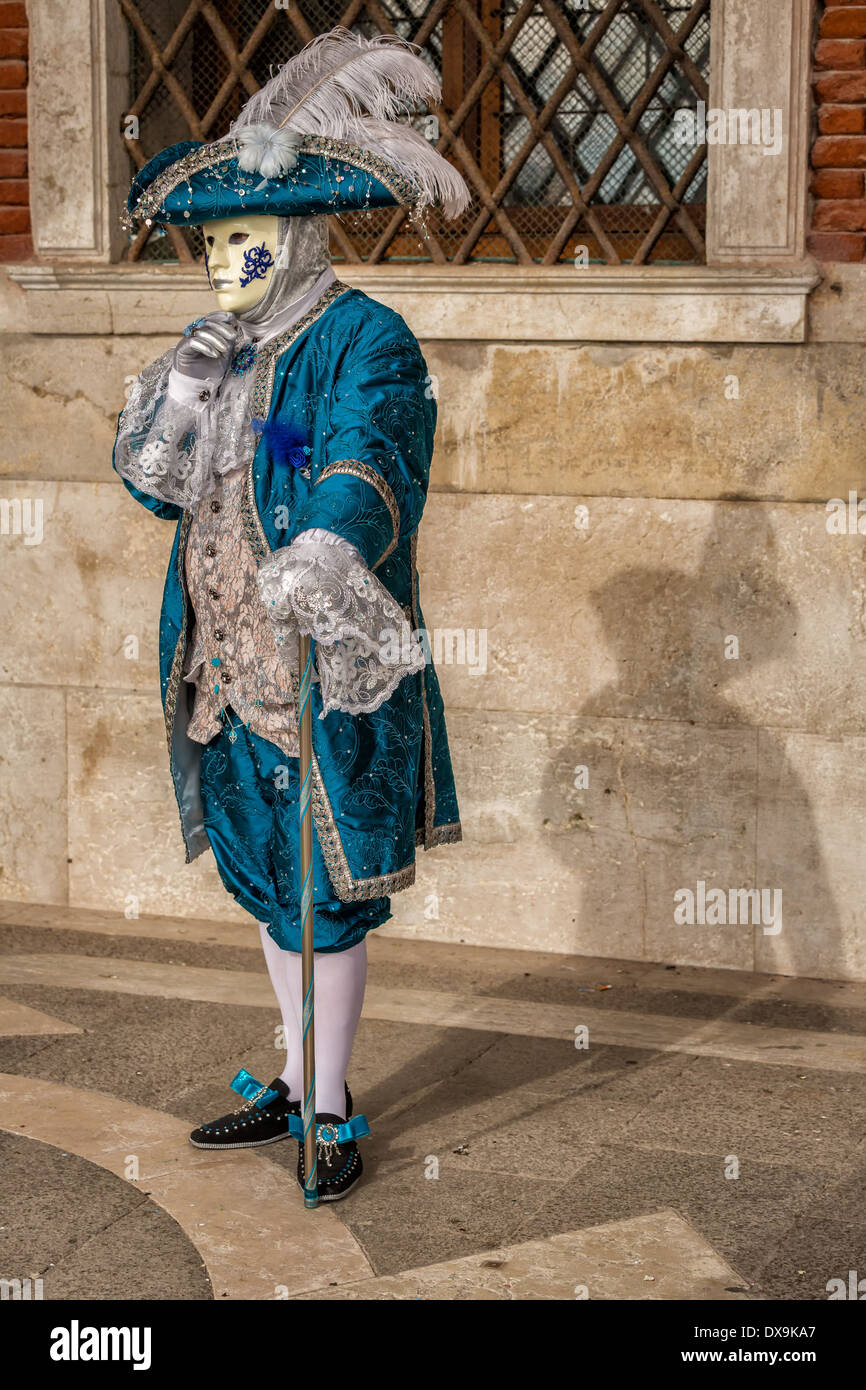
[(338, 1158), (263, 1119)]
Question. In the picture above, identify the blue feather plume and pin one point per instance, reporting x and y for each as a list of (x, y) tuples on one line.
[(288, 444)]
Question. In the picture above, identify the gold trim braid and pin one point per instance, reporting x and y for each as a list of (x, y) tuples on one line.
[(263, 389), (429, 783), (268, 353), (347, 888), (172, 689), (173, 685), (432, 834)]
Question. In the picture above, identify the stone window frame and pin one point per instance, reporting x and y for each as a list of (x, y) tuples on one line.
[(754, 288)]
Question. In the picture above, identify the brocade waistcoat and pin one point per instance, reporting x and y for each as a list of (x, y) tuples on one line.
[(234, 659)]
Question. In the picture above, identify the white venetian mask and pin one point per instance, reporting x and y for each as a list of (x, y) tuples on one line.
[(241, 255)]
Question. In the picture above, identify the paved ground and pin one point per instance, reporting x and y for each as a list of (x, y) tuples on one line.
[(708, 1143)]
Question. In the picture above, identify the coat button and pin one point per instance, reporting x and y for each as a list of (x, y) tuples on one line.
[(204, 395), (226, 675), (210, 549), (213, 593), (220, 635), (216, 506)]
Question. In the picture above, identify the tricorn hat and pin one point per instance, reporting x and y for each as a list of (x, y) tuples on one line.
[(326, 134)]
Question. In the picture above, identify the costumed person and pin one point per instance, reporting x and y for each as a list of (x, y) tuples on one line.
[(289, 434)]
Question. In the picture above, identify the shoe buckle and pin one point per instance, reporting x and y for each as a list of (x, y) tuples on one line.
[(326, 1139), (251, 1103)]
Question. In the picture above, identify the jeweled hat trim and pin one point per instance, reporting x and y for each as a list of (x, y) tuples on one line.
[(221, 153)]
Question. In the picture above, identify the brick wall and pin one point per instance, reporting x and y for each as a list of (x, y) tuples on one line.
[(839, 151), (15, 240)]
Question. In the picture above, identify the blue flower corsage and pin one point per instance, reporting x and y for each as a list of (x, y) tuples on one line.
[(287, 443)]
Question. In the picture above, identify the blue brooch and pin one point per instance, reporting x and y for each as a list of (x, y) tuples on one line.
[(257, 262), (191, 327), (244, 359), (287, 443)]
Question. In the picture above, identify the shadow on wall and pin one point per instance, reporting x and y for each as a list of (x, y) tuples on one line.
[(666, 785)]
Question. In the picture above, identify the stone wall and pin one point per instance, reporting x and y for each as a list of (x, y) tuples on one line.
[(610, 517), (674, 676)]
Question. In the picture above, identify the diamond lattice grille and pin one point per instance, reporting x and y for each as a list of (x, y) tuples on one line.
[(560, 116)]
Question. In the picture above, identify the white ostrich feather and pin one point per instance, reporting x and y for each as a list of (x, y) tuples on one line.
[(406, 149), (267, 150), (359, 90)]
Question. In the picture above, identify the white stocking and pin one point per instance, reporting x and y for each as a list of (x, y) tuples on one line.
[(283, 982), (340, 978)]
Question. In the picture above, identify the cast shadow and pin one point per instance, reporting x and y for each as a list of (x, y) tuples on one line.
[(666, 631)]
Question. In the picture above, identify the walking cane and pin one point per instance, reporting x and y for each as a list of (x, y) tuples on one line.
[(305, 736)]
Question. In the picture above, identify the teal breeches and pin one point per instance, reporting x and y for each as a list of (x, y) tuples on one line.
[(249, 791)]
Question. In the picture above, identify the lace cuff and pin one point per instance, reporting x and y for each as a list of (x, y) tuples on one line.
[(175, 448), (364, 646)]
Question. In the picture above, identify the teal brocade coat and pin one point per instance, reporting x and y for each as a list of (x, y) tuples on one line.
[(352, 378)]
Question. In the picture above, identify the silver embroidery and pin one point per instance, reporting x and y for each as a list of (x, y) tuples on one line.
[(356, 468)]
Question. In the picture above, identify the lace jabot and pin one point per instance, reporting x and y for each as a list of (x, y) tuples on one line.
[(177, 439)]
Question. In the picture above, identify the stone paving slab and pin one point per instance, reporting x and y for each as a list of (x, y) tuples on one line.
[(714, 1037), (18, 1021), (466, 1066), (245, 1216), (548, 976), (658, 1256), (744, 1218), (89, 1234)]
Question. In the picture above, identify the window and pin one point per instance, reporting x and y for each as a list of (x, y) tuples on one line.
[(560, 116)]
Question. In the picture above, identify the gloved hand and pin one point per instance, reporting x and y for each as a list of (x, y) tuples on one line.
[(206, 353)]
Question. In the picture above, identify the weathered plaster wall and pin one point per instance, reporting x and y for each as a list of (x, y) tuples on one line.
[(703, 472)]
